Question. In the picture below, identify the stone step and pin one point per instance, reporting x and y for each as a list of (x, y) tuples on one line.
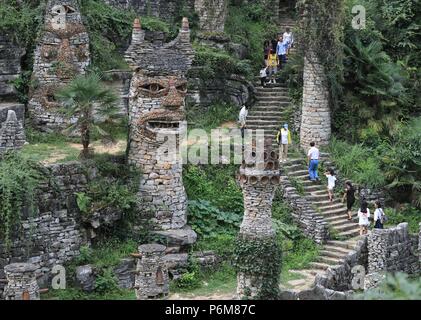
[(317, 197), (293, 161), (332, 219), (346, 227), (262, 122), (298, 173), (319, 265), (264, 117), (265, 113), (329, 260), (333, 249), (274, 94), (267, 105), (348, 245), (350, 233), (325, 202), (331, 212), (331, 206)]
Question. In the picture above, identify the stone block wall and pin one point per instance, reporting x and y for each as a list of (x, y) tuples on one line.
[(309, 221), (392, 250), (12, 135), (212, 14), (315, 116), (10, 68), (54, 235), (164, 9)]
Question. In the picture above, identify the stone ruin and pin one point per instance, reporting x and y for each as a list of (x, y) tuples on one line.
[(258, 176), (21, 282), (61, 54), (151, 278), (12, 135), (157, 112), (391, 250)]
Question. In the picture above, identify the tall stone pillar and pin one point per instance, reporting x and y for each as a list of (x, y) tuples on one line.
[(315, 115), (21, 282), (156, 118), (12, 135), (151, 280), (61, 54), (258, 179), (212, 14)]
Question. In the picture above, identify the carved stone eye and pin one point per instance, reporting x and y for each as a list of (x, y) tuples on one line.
[(182, 87), (153, 87)]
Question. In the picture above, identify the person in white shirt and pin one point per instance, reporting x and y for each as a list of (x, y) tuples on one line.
[(242, 119), (289, 38), (263, 76), (363, 216), (313, 162), (331, 180), (378, 216)]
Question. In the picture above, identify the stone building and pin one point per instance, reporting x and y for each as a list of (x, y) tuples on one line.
[(258, 177), (156, 118), (151, 279), (61, 54), (315, 116)]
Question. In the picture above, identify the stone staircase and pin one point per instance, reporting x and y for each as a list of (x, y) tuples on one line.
[(271, 110)]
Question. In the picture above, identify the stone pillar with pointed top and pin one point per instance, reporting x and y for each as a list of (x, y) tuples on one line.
[(12, 134)]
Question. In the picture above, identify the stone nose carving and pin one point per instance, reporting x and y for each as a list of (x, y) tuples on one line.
[(173, 99)]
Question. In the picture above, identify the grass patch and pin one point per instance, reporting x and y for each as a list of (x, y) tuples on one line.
[(76, 294), (214, 116)]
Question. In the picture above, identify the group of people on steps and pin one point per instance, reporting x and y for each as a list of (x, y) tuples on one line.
[(275, 56)]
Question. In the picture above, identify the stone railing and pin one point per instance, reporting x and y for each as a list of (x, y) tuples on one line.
[(309, 221)]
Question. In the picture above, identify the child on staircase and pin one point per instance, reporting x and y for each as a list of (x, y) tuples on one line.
[(331, 180), (363, 216)]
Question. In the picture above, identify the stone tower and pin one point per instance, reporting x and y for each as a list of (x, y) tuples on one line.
[(12, 135), (315, 117), (156, 118), (258, 176), (212, 14), (21, 282), (61, 54)]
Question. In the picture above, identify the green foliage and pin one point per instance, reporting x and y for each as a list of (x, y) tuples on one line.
[(215, 115), (222, 244), (106, 281), (260, 258), (19, 179), (298, 185), (395, 287), (81, 97), (215, 184), (83, 202), (208, 220), (406, 213), (110, 29), (217, 63), (358, 163)]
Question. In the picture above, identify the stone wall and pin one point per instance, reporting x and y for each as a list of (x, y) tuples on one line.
[(119, 82), (315, 117), (165, 9), (392, 250), (10, 55), (309, 221), (54, 235), (235, 89), (61, 54), (212, 14)]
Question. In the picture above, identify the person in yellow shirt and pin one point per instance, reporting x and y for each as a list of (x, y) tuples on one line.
[(272, 66), (283, 138)]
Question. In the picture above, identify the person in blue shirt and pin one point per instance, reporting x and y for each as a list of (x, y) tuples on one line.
[(281, 51)]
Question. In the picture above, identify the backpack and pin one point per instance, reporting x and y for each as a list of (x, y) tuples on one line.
[(383, 218)]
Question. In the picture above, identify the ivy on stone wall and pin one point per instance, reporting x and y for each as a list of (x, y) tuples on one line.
[(19, 179), (260, 258)]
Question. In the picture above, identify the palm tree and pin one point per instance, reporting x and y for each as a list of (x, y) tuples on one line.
[(91, 104)]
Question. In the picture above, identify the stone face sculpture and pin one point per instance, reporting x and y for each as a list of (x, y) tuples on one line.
[(156, 112), (258, 177), (61, 54)]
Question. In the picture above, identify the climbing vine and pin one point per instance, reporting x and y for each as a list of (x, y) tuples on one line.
[(261, 258), (19, 179)]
